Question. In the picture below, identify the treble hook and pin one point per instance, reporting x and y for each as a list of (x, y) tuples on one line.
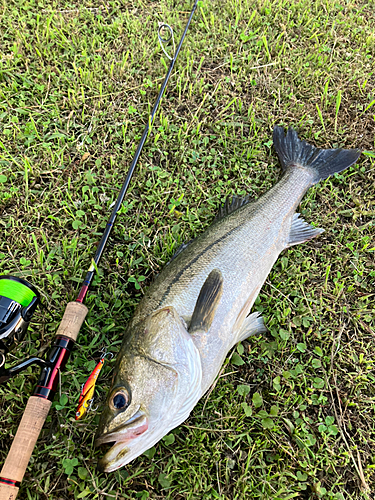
[(90, 408), (106, 354), (162, 41)]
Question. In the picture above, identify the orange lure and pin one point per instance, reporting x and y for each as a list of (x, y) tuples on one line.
[(87, 393)]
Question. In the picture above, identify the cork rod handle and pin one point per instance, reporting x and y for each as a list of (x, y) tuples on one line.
[(74, 315), (34, 416)]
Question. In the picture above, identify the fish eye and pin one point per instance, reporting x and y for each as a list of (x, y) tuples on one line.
[(120, 400)]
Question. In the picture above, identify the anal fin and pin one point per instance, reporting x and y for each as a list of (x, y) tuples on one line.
[(301, 231), (252, 325), (207, 302)]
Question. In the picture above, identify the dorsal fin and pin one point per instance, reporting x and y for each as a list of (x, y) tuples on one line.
[(207, 302), (231, 204)]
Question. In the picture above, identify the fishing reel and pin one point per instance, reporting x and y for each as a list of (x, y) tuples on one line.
[(18, 302)]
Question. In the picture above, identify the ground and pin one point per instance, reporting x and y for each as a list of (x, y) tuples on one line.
[(292, 413)]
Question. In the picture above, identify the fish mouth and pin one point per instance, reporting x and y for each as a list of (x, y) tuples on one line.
[(119, 438)]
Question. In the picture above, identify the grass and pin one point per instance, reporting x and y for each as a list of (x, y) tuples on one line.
[(292, 414)]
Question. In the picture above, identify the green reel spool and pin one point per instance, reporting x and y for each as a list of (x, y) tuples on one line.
[(18, 301), (17, 289)]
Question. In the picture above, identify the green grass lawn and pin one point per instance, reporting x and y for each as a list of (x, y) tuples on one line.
[(292, 414)]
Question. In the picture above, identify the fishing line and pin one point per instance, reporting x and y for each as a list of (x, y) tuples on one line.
[(17, 289)]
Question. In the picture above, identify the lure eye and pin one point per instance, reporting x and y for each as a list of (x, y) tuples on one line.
[(120, 400)]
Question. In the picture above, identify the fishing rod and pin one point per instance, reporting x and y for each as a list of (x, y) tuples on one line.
[(39, 403)]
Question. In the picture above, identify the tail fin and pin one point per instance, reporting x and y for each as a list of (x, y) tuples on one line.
[(325, 162)]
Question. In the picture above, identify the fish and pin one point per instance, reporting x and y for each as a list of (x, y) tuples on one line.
[(199, 306)]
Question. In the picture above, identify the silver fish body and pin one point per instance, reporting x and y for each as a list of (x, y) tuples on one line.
[(198, 307)]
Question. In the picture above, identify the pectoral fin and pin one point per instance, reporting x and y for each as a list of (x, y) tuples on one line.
[(208, 300), (301, 231), (253, 325)]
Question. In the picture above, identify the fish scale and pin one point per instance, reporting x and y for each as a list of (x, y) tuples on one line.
[(199, 305)]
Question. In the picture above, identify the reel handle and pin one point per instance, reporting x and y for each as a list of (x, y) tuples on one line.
[(35, 414)]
